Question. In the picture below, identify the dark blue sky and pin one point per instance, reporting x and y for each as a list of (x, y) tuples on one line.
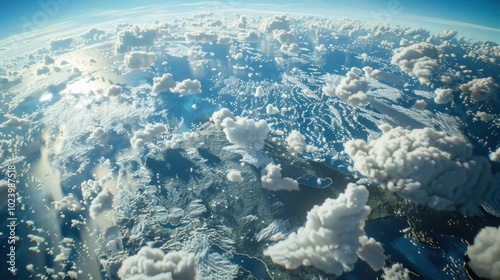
[(16, 14)]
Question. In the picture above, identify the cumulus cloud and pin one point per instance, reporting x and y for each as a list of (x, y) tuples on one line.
[(241, 22), (290, 48), (246, 133), (187, 87), (380, 75), (485, 117), (420, 60), (138, 36), (201, 37), (102, 202), (272, 110), (284, 37), (218, 116), (443, 95), (271, 179), (495, 156), (97, 133), (276, 22), (482, 89), (114, 90), (333, 236), (224, 39), (259, 91), (139, 60), (234, 176), (14, 121), (150, 132), (484, 254), (420, 104), (61, 44), (352, 88), (163, 83), (296, 143), (250, 36), (396, 272), (426, 167), (152, 263)]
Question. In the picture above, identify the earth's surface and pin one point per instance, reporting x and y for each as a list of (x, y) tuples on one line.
[(190, 141)]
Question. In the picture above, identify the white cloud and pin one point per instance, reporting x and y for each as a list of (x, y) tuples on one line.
[(277, 22), (480, 89), (250, 36), (152, 263), (296, 143), (420, 60), (396, 272), (332, 237), (102, 202), (426, 167), (61, 44), (219, 116), (284, 37), (484, 254), (352, 88), (290, 48), (271, 179), (259, 91), (14, 121), (246, 133), (272, 110), (420, 104), (187, 87), (137, 36), (495, 156), (114, 90), (234, 176), (224, 39), (139, 59), (241, 22), (201, 37), (150, 132), (380, 75), (485, 117), (443, 95), (163, 83)]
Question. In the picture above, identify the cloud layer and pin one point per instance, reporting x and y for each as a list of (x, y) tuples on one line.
[(484, 254), (333, 236), (426, 167), (246, 133), (152, 263)]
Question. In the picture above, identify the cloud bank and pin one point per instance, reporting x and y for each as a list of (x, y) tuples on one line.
[(333, 236), (420, 60), (246, 133), (426, 167), (484, 254), (271, 179), (152, 263), (352, 88)]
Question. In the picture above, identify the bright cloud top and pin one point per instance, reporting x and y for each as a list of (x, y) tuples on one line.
[(246, 133), (484, 254), (152, 263), (426, 167), (139, 60), (296, 143), (352, 88), (218, 116), (187, 87), (271, 179), (150, 132), (419, 60), (482, 89), (333, 236)]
